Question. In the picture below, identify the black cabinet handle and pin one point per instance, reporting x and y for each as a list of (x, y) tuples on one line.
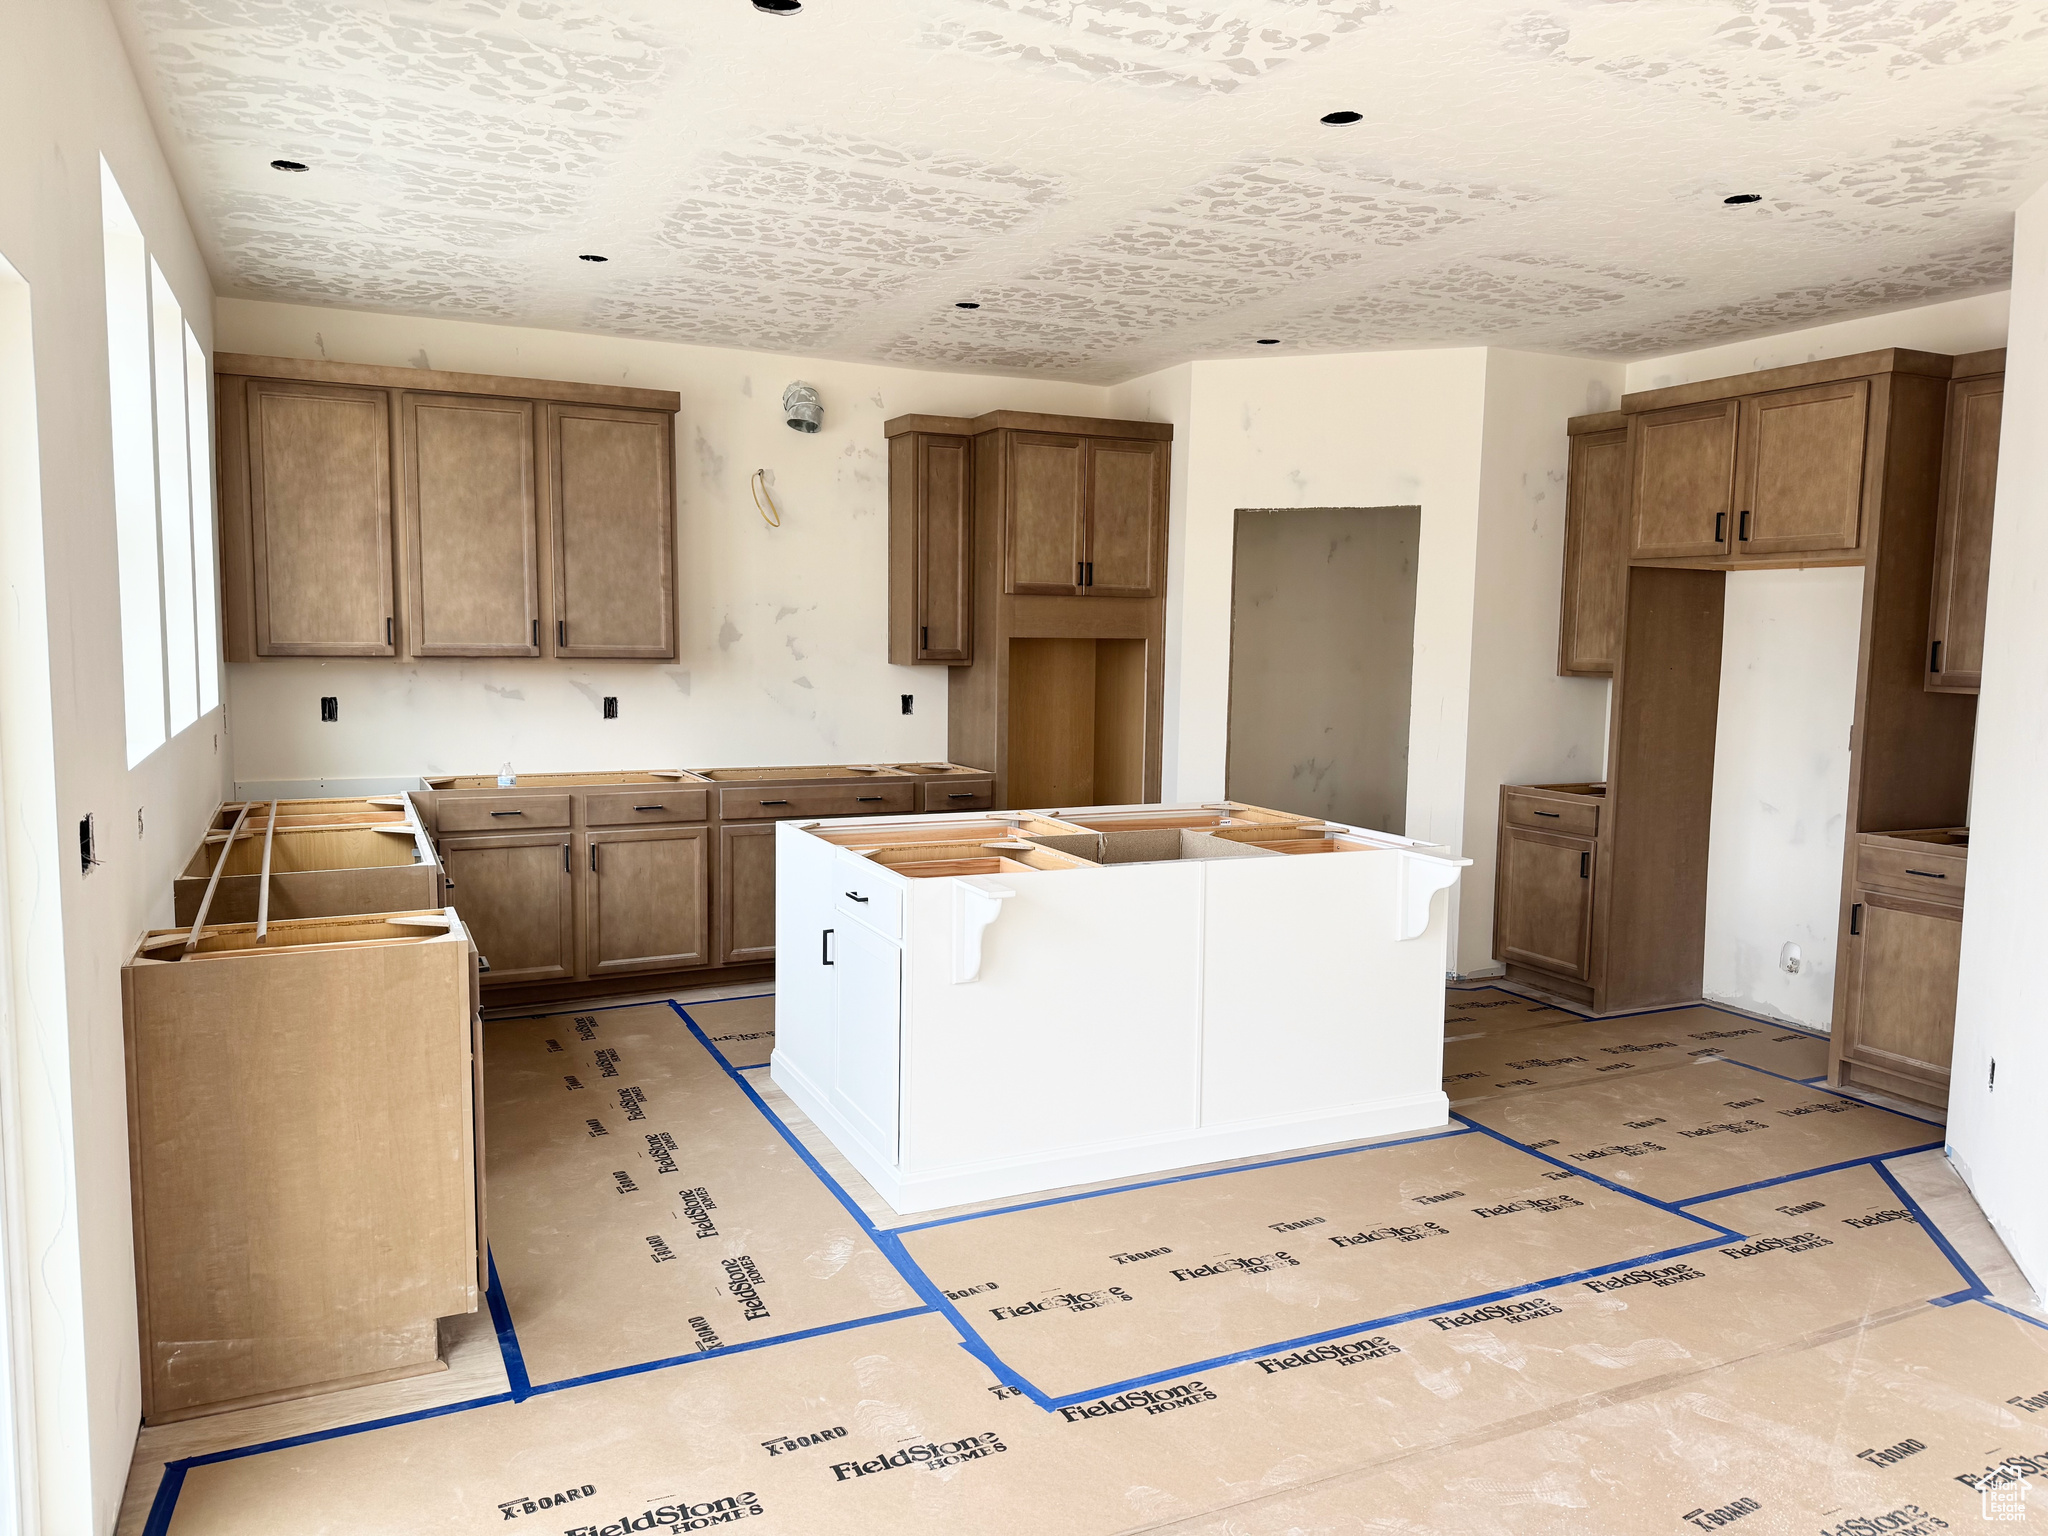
[(1934, 657), (825, 947), (565, 858), (924, 638), (536, 634), (650, 807), (865, 799), (508, 813), (387, 633), (1926, 874), (561, 632), (1080, 573), (1856, 918), (593, 858), (1742, 529), (1091, 575), (775, 802), (1720, 527), (1553, 815), (1585, 866), (962, 794), (861, 899)]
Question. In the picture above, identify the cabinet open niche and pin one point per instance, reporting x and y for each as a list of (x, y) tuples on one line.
[(402, 512), (1076, 722)]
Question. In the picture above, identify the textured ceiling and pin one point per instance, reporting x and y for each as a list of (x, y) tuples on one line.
[(1121, 184)]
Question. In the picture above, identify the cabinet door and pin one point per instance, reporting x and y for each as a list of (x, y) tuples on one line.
[(321, 519), (513, 894), (867, 1010), (1903, 965), (1543, 907), (1682, 481), (945, 549), (470, 510), (612, 504), (647, 900), (1962, 553), (1044, 541), (746, 893), (1126, 519), (1595, 554), (1802, 469)]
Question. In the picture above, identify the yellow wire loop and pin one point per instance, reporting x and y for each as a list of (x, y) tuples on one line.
[(770, 514)]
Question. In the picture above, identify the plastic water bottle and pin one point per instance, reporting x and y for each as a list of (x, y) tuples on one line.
[(506, 777)]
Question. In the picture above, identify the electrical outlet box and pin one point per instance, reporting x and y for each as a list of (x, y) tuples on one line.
[(611, 707), (908, 700), (330, 709)]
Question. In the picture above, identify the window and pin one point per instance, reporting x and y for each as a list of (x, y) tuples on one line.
[(163, 491)]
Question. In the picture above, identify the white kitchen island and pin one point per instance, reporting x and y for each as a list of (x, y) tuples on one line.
[(999, 1003)]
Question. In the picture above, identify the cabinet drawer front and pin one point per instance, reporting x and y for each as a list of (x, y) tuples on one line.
[(861, 890), (648, 807), (960, 795), (767, 802), (1936, 875), (503, 813), (1572, 818)]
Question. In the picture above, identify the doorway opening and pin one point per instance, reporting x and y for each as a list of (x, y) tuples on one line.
[(1322, 661)]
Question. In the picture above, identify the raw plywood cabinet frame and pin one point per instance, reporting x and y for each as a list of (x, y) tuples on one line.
[(324, 859)]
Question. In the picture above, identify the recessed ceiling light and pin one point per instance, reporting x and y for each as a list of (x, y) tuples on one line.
[(1269, 341), (964, 304), (593, 258), (1339, 119), (779, 7), (1744, 197), (287, 165)]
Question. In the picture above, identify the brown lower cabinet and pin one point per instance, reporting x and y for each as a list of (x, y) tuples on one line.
[(1545, 874), (746, 892), (646, 902), (516, 896), (1895, 1014)]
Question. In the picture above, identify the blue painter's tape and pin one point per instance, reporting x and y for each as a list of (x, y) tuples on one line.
[(508, 1337), (1999, 1305), (1178, 1178), (1976, 1286), (1806, 1173), (167, 1491)]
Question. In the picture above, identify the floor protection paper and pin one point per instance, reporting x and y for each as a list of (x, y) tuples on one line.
[(1080, 1294), (642, 1208), (1517, 1061), (1700, 1129), (1487, 1010), (743, 1028)]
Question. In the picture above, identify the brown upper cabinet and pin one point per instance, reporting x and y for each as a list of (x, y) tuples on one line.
[(931, 549), (1072, 506), (1962, 551), (1779, 468), (470, 510), (369, 511), (615, 532), (318, 478), (1595, 545)]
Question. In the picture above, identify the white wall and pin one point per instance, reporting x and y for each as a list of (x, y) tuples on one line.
[(1998, 1136), (66, 97), (1527, 724), (1788, 686), (783, 636)]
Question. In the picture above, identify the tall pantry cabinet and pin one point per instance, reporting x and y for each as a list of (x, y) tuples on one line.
[(1027, 553), (396, 512)]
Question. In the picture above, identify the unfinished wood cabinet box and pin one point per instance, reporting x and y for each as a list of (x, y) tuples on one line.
[(1899, 962), (307, 866), (371, 511), (303, 1148), (1962, 552)]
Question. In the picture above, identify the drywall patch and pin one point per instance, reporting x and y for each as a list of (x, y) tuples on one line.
[(728, 634)]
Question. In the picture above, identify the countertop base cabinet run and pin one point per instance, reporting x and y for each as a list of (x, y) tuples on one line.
[(1158, 976)]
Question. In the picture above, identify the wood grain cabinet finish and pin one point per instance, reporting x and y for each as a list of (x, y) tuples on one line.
[(647, 900), (746, 893), (1962, 553), (1901, 948), (1045, 516), (1682, 480), (1126, 519), (1543, 914), (1800, 469), (369, 511), (931, 549), (613, 480), (470, 509), (320, 515), (1595, 547), (516, 897)]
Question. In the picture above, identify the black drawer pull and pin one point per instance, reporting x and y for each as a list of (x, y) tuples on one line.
[(775, 802), (1585, 866), (861, 899), (1926, 874), (963, 794), (1742, 535), (825, 947), (508, 813), (865, 799), (1720, 527), (650, 807), (565, 858), (1553, 815), (1856, 919), (1934, 657)]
